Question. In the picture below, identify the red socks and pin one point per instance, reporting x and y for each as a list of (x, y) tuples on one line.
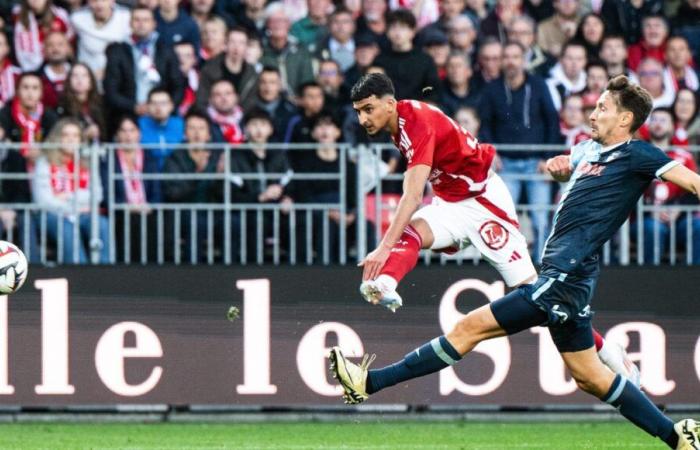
[(598, 339), (404, 254)]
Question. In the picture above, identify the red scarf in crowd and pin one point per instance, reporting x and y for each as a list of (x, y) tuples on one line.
[(29, 42), (62, 177), (29, 125), (190, 92), (133, 185), (8, 78), (229, 124)]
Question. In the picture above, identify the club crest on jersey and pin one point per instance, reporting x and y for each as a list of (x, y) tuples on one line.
[(434, 175), (494, 235), (593, 170)]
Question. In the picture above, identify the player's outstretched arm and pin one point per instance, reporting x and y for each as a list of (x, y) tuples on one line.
[(560, 168), (681, 176), (413, 186)]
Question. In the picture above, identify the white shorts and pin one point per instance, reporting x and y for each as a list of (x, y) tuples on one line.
[(489, 223)]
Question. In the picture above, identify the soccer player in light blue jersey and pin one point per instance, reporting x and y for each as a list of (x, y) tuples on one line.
[(606, 175)]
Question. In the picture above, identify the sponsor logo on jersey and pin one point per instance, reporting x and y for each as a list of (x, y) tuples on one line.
[(494, 235), (593, 170)]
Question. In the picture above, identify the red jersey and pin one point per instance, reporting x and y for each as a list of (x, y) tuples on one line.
[(460, 165)]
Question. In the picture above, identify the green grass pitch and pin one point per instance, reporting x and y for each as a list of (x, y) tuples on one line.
[(332, 436)]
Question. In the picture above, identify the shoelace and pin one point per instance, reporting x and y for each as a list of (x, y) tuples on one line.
[(367, 360)]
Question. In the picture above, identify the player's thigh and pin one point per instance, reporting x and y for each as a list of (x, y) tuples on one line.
[(437, 221)]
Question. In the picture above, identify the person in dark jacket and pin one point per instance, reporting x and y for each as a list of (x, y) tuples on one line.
[(197, 159), (271, 99), (622, 17), (231, 66), (518, 109), (272, 176), (174, 25), (411, 70), (137, 66)]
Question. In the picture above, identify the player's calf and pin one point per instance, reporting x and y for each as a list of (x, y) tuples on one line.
[(478, 325)]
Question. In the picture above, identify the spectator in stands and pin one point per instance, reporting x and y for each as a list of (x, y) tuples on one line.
[(518, 109), (373, 23), (175, 25), (687, 24), (477, 9), (624, 18), (54, 71), (651, 78), (225, 113), (556, 31), (437, 46), (449, 9), (456, 92), (596, 82), (271, 99), (54, 191), (337, 96), (590, 33), (665, 193), (33, 20), (311, 103), (187, 59), (254, 52), (82, 101), (468, 118), (409, 68), (425, 12), (251, 16), (261, 161), (25, 120), (160, 129), (687, 122), (568, 76), (196, 159), (653, 42), (489, 63), (325, 159), (522, 30), (366, 50), (572, 122), (496, 23), (202, 10), (462, 35), (214, 31), (340, 45), (613, 53), (231, 66), (312, 28), (679, 72), (131, 162), (8, 72), (131, 81), (280, 50), (97, 25)]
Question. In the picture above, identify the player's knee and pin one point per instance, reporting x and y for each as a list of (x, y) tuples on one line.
[(466, 333), (423, 229), (591, 383)]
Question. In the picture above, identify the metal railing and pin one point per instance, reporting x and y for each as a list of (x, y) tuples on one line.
[(331, 230)]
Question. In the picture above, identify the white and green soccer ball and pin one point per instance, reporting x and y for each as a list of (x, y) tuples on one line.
[(13, 268)]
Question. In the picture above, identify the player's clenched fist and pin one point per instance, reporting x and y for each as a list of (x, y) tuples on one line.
[(559, 167)]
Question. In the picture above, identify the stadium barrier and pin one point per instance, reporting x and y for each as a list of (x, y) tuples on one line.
[(332, 231), (98, 336)]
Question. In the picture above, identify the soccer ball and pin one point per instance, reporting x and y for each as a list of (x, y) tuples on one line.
[(13, 268)]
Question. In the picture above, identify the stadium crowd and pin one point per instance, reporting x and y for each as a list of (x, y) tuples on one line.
[(163, 72)]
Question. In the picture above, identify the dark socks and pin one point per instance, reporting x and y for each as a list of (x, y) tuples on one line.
[(639, 410), (431, 357)]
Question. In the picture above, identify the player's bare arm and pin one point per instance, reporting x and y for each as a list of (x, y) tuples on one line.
[(560, 168), (412, 197), (683, 177)]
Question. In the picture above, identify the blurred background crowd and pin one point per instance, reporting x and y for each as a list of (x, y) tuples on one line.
[(149, 75)]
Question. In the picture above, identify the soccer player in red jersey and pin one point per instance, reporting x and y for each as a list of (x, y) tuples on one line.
[(472, 205)]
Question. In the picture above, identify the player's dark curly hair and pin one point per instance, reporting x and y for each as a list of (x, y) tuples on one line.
[(631, 97), (372, 84)]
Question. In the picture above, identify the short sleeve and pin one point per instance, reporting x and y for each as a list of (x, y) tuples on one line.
[(421, 151), (576, 155), (651, 161)]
